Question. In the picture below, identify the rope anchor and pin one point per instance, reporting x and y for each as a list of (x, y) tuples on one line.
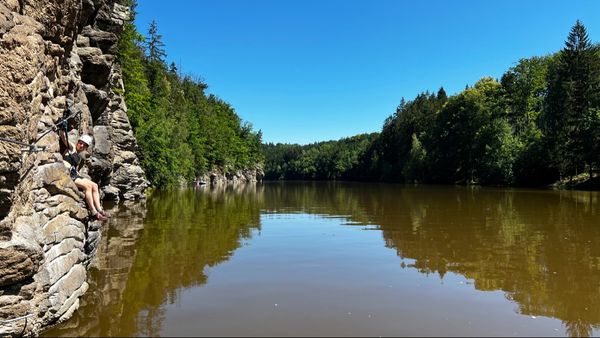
[(33, 148)]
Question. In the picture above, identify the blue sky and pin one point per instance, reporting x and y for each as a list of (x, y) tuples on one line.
[(307, 71)]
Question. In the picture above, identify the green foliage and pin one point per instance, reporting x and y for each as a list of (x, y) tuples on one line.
[(331, 160), (416, 163), (571, 119), (396, 141), (541, 119), (524, 91), (181, 131)]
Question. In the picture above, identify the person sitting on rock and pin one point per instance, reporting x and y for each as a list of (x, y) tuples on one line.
[(73, 160)]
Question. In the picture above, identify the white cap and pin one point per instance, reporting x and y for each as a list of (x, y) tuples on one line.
[(87, 139)]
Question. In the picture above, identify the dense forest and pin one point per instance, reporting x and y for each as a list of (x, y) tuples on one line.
[(539, 123), (329, 160), (181, 131)]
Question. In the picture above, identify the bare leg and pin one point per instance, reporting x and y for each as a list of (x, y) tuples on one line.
[(96, 196), (87, 190)]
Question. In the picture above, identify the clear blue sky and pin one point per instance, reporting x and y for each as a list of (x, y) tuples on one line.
[(305, 71)]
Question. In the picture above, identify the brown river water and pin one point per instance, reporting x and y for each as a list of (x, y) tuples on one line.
[(346, 259)]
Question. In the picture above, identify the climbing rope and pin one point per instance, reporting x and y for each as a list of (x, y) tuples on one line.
[(33, 148), (59, 123), (7, 321)]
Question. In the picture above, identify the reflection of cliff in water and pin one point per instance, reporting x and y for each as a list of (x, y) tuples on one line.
[(138, 270), (540, 247), (108, 275)]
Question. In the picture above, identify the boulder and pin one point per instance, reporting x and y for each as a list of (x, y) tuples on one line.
[(99, 169), (102, 142), (112, 18), (110, 193), (106, 41), (17, 263), (54, 178)]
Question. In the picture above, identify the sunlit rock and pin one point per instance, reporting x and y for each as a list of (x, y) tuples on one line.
[(57, 59)]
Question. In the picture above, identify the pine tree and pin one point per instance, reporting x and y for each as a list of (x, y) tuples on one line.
[(156, 50), (569, 117), (401, 106), (442, 96), (173, 69)]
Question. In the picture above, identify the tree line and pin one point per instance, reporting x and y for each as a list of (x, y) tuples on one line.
[(329, 160), (539, 123), (182, 132)]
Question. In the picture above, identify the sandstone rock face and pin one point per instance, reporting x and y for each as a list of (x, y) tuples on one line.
[(110, 272), (57, 58), (217, 177)]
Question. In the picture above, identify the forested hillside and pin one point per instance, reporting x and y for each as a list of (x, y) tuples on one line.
[(329, 160), (539, 123), (182, 131)]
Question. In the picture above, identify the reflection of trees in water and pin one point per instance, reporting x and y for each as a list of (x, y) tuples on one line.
[(540, 247), (184, 231), (317, 198)]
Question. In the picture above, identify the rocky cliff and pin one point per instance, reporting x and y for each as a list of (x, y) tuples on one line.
[(57, 58), (219, 177), (101, 308)]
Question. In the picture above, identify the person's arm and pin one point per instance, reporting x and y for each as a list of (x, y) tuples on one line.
[(63, 138)]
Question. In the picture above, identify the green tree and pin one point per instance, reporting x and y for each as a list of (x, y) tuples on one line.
[(524, 91), (156, 52), (131, 58), (181, 132), (525, 88), (442, 96), (471, 140), (413, 117), (570, 116), (415, 167)]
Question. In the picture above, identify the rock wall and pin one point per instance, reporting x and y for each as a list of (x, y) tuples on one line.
[(218, 177), (101, 309), (56, 57)]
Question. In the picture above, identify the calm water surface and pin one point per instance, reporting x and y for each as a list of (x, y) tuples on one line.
[(303, 259)]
